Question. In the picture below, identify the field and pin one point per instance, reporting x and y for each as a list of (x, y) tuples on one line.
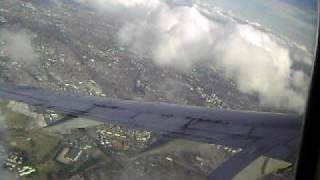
[(36, 145)]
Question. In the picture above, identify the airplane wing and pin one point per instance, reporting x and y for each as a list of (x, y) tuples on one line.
[(256, 133)]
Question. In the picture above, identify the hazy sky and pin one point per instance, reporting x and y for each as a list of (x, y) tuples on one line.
[(295, 19)]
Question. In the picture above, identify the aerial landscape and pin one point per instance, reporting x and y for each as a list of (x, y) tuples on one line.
[(181, 52)]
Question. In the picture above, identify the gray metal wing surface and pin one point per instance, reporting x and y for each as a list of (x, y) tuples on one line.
[(257, 133)]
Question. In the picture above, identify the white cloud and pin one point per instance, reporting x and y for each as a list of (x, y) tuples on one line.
[(18, 46), (259, 66), (180, 36)]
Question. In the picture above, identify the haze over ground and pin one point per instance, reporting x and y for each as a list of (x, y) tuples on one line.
[(180, 34)]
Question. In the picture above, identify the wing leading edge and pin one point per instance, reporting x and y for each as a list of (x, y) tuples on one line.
[(257, 133)]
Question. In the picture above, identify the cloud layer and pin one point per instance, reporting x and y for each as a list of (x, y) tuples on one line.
[(179, 36)]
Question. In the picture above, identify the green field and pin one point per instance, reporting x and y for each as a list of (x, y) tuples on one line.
[(2, 103), (37, 145)]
